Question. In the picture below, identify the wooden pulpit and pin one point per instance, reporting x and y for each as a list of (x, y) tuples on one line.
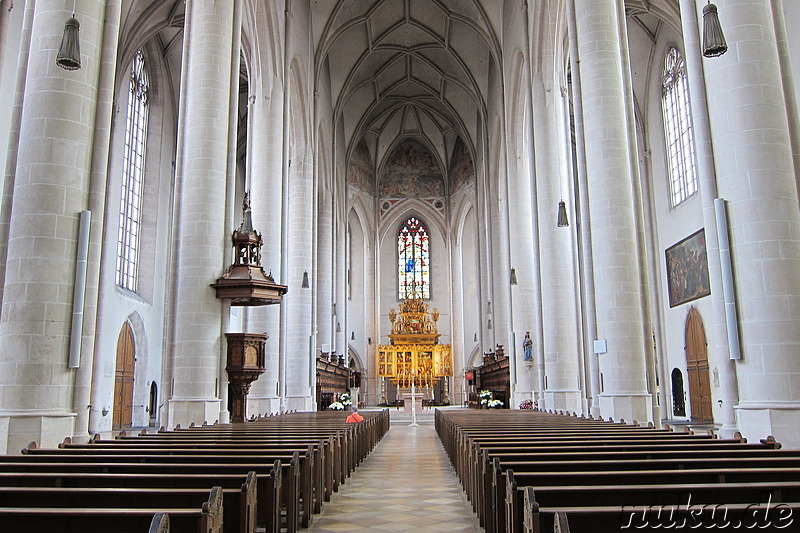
[(245, 364)]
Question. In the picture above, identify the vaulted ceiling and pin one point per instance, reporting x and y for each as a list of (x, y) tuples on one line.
[(398, 69), (407, 69)]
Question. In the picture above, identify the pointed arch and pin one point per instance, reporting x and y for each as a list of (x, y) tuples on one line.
[(124, 378)]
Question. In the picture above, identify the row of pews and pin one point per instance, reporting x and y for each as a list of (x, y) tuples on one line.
[(545, 472), (270, 474)]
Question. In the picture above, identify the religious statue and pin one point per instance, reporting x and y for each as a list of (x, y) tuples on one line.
[(527, 347)]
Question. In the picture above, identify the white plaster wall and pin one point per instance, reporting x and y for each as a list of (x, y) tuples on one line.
[(672, 224), (149, 305)]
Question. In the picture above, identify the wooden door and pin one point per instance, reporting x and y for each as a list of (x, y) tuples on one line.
[(123, 379), (697, 369)]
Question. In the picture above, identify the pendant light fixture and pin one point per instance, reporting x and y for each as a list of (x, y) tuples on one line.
[(562, 215), (69, 53), (713, 39)]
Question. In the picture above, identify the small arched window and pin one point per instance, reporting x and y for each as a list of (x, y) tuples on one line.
[(413, 260), (681, 159), (130, 215)]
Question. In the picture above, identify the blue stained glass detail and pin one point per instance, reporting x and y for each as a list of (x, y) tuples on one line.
[(413, 260)]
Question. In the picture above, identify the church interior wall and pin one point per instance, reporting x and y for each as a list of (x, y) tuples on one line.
[(316, 220), (8, 77), (148, 304), (673, 224)]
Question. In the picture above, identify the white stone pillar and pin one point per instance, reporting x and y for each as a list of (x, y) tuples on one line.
[(203, 235), (298, 256), (5, 13), (755, 175), (583, 224), (50, 188), (266, 193), (499, 308), (338, 273), (297, 306), (561, 354), (614, 243), (326, 321), (724, 391)]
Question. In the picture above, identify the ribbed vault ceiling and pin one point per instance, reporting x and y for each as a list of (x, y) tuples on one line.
[(406, 69)]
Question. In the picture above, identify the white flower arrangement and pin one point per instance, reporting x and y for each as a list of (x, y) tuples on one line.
[(495, 404), (485, 396), (336, 406), (344, 399)]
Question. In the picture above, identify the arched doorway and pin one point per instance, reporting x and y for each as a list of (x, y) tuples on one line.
[(697, 369), (152, 407), (123, 378), (678, 402)]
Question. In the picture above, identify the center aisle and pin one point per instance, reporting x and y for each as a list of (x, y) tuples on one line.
[(405, 484)]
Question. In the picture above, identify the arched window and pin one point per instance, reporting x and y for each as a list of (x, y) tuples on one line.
[(413, 260), (678, 128), (132, 177)]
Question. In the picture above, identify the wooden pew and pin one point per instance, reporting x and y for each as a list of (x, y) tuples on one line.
[(648, 489), (763, 515), (289, 483), (239, 510), (297, 479), (564, 459), (318, 452), (267, 501), (208, 518)]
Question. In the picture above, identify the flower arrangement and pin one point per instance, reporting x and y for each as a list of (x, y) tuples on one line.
[(495, 404), (485, 396), (345, 400), (336, 406), (526, 404)]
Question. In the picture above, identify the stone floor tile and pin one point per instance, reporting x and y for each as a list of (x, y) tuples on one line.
[(405, 484)]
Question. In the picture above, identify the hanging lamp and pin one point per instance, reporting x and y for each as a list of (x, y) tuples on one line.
[(714, 44), (69, 53), (562, 215)]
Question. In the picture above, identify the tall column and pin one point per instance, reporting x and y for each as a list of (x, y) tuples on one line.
[(561, 354), (583, 248), (297, 306), (50, 188), (205, 120), (725, 391), (300, 204), (614, 243), (339, 281), (755, 174), (5, 14), (326, 322), (266, 190)]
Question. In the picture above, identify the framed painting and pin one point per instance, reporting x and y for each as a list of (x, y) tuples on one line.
[(687, 269)]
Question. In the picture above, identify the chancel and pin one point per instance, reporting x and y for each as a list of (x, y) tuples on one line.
[(415, 363)]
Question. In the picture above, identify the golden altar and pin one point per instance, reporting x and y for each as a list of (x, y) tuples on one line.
[(414, 357)]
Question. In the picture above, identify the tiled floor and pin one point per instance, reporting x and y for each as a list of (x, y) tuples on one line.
[(406, 484)]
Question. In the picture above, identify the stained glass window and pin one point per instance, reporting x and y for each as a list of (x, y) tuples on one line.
[(413, 260), (678, 128), (132, 177)]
